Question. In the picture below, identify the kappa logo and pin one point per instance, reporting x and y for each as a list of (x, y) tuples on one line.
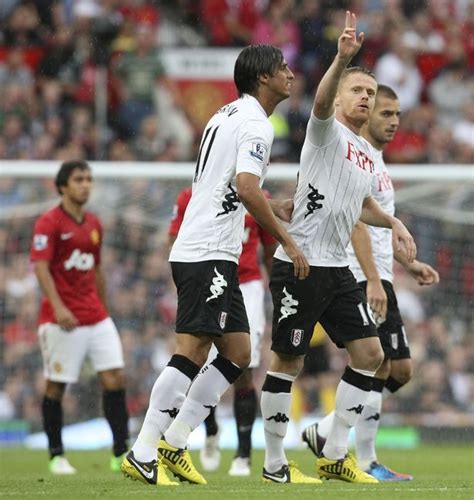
[(218, 285), (287, 305), (173, 412), (296, 337), (357, 409), (375, 416), (80, 261), (231, 201), (313, 198), (280, 418)]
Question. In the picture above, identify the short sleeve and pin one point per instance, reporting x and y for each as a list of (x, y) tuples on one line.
[(44, 240), (322, 132), (254, 147)]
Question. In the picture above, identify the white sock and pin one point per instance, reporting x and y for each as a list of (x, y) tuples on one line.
[(275, 407), (166, 399), (350, 401), (325, 424), (205, 393), (366, 430)]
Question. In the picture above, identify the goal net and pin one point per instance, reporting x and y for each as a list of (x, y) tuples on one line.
[(135, 203)]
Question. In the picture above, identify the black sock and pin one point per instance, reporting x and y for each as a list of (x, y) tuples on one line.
[(393, 385), (245, 409), (211, 423), (53, 424), (115, 411)]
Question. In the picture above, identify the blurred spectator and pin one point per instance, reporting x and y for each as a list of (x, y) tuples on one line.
[(139, 72), (397, 69), (410, 142), (23, 26), (440, 145), (463, 131), (150, 142), (459, 378), (18, 142), (15, 73), (421, 37), (310, 26), (297, 109), (229, 23), (375, 43), (451, 91), (277, 27)]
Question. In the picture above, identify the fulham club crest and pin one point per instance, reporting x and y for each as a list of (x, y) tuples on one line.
[(222, 319), (297, 337)]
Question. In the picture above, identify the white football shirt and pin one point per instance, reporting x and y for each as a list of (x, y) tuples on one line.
[(380, 237), (335, 176), (238, 138)]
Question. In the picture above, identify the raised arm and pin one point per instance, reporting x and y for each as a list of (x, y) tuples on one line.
[(348, 45)]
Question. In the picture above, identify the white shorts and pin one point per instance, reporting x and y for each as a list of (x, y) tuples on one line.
[(254, 295), (64, 352)]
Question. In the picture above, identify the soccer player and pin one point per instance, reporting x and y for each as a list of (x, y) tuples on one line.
[(252, 287), (73, 321), (371, 257), (334, 180), (231, 165)]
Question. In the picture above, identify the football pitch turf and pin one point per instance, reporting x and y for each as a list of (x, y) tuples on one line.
[(440, 472)]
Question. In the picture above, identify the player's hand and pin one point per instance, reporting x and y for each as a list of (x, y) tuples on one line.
[(283, 209), (424, 274), (377, 300), (65, 319), (349, 42), (300, 263), (403, 241)]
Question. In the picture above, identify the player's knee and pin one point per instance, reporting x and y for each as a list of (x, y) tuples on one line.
[(383, 371), (374, 358), (286, 363), (112, 380), (54, 390), (402, 374), (242, 359)]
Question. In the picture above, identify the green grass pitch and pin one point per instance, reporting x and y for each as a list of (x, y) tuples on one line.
[(442, 471)]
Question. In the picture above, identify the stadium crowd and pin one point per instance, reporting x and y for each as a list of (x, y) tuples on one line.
[(51, 54)]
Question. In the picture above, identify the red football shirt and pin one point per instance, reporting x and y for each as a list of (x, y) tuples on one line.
[(249, 268), (73, 252)]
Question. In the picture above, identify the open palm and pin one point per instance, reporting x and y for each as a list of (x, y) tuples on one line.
[(349, 42)]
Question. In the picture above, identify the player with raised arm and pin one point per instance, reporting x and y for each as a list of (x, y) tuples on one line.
[(372, 257), (73, 321), (230, 168), (253, 292), (334, 182)]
